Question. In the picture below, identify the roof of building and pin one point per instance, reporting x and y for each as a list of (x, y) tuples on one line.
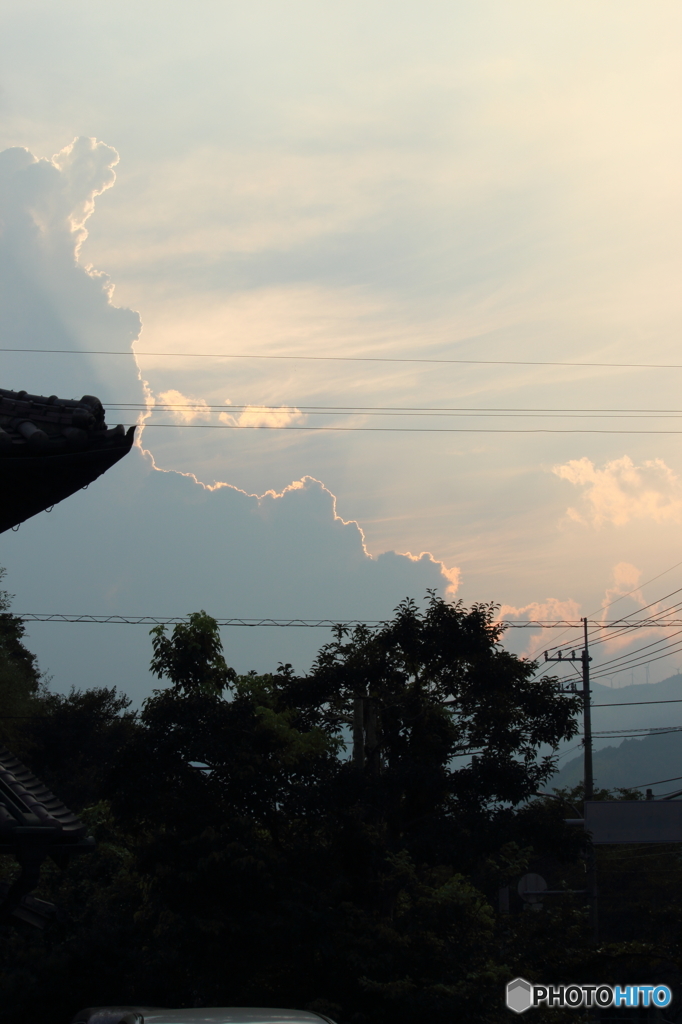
[(50, 448), (28, 809), (195, 1015)]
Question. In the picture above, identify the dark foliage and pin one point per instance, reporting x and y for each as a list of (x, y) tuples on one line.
[(20, 680), (325, 841)]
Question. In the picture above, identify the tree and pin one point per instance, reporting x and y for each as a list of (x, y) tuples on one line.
[(249, 858), (344, 883), (431, 688), (192, 657), (71, 741), (20, 680)]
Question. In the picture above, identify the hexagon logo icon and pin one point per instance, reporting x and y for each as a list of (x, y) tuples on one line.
[(519, 995)]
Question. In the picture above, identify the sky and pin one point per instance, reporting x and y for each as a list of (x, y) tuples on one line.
[(443, 180)]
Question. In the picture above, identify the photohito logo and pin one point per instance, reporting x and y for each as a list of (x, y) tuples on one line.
[(521, 995)]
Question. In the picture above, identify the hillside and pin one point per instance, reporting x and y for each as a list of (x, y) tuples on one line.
[(631, 762)]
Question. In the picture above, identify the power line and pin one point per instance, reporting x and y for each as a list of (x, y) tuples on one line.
[(638, 664), (658, 783), (346, 359), (633, 654), (153, 620), (621, 597), (410, 430), (565, 754), (135, 620), (198, 406), (625, 620), (662, 731), (637, 703), (652, 603)]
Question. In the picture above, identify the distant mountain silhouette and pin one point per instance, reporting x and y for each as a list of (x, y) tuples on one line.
[(632, 762)]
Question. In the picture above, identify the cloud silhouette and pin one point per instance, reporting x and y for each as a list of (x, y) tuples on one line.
[(48, 300), (143, 540), (146, 542)]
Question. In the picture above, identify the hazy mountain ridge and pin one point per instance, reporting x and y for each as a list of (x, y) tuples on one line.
[(632, 762)]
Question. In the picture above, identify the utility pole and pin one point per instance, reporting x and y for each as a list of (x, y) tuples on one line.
[(365, 734), (587, 718), (359, 732), (588, 774), (585, 660)]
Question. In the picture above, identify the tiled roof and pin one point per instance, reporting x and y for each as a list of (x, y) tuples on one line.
[(50, 448), (28, 808)]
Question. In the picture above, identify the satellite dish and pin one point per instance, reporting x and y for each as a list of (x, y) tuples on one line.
[(531, 888)]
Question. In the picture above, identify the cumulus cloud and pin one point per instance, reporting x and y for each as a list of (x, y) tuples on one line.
[(551, 609), (626, 579), (263, 416), (86, 169), (622, 491), (627, 594), (159, 542), (54, 197), (182, 408), (47, 298)]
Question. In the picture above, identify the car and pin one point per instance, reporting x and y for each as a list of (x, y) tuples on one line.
[(196, 1015)]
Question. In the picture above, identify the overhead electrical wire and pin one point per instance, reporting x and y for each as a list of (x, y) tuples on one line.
[(632, 703), (567, 752), (621, 597), (345, 359), (632, 654), (136, 620), (403, 430), (331, 623), (628, 623), (637, 664), (658, 601), (657, 623), (371, 410), (658, 731), (658, 783), (632, 659), (626, 620), (319, 623)]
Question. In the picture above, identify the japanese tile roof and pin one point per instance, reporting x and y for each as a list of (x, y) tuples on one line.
[(29, 810), (50, 448)]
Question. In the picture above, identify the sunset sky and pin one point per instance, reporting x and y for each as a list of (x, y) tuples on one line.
[(486, 181)]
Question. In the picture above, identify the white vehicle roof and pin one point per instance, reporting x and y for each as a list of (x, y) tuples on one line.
[(197, 1015), (231, 1015)]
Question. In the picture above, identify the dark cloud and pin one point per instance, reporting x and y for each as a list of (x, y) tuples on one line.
[(144, 542)]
